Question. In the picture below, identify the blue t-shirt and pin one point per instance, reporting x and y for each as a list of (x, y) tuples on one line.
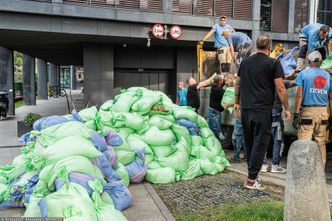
[(316, 85), (182, 95), (311, 32), (219, 40), (329, 37), (237, 39)]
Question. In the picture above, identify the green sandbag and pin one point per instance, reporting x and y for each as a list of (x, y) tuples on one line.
[(229, 97), (107, 106), (135, 143), (123, 173), (183, 112), (194, 170), (145, 104), (125, 101), (159, 122), (125, 157), (124, 132), (48, 174), (33, 209), (88, 114), (24, 179), (201, 122), (220, 164), (181, 131), (18, 160), (148, 158), (201, 152), (12, 172), (105, 117), (129, 120), (91, 124), (206, 132), (164, 98), (51, 134), (168, 117), (153, 165), (179, 160), (327, 63), (160, 175), (196, 140), (156, 137), (223, 161), (4, 192), (208, 167), (105, 197), (69, 146), (213, 144), (71, 202), (144, 128), (163, 151)]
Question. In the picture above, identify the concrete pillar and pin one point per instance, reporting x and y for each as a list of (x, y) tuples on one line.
[(72, 78), (256, 20), (291, 16), (7, 76), (42, 79), (29, 92), (53, 75), (58, 77)]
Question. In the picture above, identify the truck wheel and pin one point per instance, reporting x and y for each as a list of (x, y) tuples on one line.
[(226, 136)]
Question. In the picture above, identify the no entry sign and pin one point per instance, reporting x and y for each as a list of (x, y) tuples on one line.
[(158, 31), (175, 32)]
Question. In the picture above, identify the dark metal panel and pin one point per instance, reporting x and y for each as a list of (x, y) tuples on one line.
[(243, 9), (224, 7), (203, 7), (280, 11)]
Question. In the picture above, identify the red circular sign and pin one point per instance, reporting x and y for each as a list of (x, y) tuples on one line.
[(319, 82), (175, 32), (158, 31)]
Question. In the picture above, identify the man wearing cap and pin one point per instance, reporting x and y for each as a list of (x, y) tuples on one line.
[(221, 44), (238, 42), (181, 98), (314, 94)]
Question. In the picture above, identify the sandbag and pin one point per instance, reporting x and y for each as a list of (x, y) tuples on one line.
[(155, 137), (229, 97), (208, 167), (167, 117), (183, 112), (327, 63), (163, 151), (201, 122), (206, 132), (137, 169), (105, 118), (32, 209), (123, 173), (106, 169), (126, 100), (288, 62), (111, 157), (194, 170), (191, 126), (153, 165), (107, 106), (98, 141), (136, 143), (181, 131), (120, 195), (48, 122), (148, 158), (125, 156), (164, 98), (129, 120), (88, 114), (124, 133), (202, 152), (91, 125), (145, 104), (113, 139), (160, 175), (196, 140), (213, 144), (159, 122)]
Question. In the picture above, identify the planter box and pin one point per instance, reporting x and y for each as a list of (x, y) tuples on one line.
[(22, 128)]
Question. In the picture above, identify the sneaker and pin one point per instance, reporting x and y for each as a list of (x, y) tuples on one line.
[(264, 168), (253, 185), (232, 160), (277, 169)]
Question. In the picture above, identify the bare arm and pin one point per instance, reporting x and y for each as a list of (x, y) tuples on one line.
[(205, 83), (232, 51), (208, 35), (298, 99), (282, 93), (237, 90)]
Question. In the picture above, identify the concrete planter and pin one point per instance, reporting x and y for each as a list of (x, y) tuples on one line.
[(22, 128)]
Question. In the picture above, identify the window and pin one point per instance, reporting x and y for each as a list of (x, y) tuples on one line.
[(265, 21), (280, 12), (324, 13), (301, 14)]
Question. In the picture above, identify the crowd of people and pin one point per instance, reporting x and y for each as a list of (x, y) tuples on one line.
[(260, 97)]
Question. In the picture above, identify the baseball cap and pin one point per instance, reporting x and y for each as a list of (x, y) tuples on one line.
[(315, 56)]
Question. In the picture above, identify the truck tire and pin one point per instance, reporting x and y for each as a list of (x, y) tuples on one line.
[(226, 136)]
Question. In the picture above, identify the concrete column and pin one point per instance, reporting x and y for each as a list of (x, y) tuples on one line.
[(256, 20), (72, 78), (29, 92), (58, 77), (42, 79), (291, 16), (7, 77), (53, 75)]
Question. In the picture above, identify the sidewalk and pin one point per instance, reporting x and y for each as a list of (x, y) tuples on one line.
[(147, 206)]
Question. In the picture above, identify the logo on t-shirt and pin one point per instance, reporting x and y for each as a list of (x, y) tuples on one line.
[(319, 82)]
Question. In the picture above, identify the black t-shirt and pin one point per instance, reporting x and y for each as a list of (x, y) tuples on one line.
[(277, 105), (257, 87), (215, 97), (193, 97)]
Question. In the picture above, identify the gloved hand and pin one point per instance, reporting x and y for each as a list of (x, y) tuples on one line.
[(201, 42), (296, 120)]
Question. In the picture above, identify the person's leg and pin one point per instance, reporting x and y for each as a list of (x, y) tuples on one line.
[(306, 125), (238, 140), (320, 132), (228, 59), (247, 132), (222, 59), (214, 121), (303, 42)]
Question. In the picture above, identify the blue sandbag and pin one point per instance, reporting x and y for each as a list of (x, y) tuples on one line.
[(98, 141), (106, 169), (113, 139), (120, 195), (48, 122), (111, 156), (136, 169), (288, 62), (76, 116), (11, 204), (26, 138), (191, 126)]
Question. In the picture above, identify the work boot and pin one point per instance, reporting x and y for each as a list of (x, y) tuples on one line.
[(300, 65)]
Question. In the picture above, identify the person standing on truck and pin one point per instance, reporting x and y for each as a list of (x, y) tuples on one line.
[(311, 37), (193, 99), (258, 77), (181, 98), (238, 42), (277, 134), (215, 109), (221, 44), (314, 94)]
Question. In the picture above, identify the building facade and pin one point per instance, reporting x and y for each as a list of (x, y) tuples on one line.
[(113, 41)]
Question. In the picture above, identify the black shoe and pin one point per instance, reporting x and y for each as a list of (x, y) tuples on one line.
[(234, 161)]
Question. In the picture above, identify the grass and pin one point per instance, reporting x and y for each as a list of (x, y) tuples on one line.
[(254, 211), (18, 104)]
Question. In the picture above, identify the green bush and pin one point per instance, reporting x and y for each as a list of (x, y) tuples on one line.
[(31, 118)]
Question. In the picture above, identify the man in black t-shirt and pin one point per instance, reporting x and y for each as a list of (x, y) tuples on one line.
[(258, 77)]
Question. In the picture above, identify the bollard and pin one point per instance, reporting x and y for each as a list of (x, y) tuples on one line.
[(306, 195)]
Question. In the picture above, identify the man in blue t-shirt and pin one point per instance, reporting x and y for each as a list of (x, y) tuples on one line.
[(221, 44), (311, 37), (238, 42), (314, 94), (181, 98)]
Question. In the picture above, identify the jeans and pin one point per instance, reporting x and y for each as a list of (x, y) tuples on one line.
[(257, 130), (238, 139), (277, 136), (214, 121)]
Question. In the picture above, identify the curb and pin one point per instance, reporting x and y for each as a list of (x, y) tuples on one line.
[(161, 205), (13, 146)]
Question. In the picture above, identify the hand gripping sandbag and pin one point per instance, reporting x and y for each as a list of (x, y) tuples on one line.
[(188, 113), (105, 211), (137, 169), (69, 146), (155, 137), (135, 142), (48, 122), (125, 101), (159, 122), (145, 104), (120, 195), (160, 175), (194, 170), (123, 173)]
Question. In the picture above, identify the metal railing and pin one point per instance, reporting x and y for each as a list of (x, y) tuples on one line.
[(324, 17)]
